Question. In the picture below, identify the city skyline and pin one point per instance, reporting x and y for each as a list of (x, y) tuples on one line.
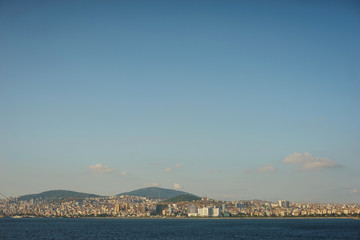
[(124, 206), (230, 100)]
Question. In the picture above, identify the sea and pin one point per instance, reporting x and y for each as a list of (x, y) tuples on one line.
[(113, 228)]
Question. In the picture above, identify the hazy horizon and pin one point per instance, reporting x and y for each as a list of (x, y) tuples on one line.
[(228, 99)]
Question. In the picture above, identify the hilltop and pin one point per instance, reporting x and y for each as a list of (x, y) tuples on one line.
[(56, 195), (183, 198), (150, 192), (156, 192)]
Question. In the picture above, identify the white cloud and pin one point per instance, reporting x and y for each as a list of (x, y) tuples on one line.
[(309, 162), (99, 168), (266, 168), (152, 185), (178, 186), (355, 190), (178, 166), (123, 173), (173, 169)]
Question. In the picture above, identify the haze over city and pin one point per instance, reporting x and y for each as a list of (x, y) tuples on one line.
[(226, 99)]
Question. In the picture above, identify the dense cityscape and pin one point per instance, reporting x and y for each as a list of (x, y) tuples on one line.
[(134, 206)]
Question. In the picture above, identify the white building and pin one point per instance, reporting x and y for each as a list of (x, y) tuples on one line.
[(215, 212), (283, 203), (203, 212), (209, 212)]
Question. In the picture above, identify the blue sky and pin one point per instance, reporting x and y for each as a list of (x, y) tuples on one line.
[(229, 99)]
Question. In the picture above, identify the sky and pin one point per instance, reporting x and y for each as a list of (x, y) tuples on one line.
[(226, 99)]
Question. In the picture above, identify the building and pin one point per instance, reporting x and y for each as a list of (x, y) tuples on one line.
[(223, 208), (284, 203), (209, 212), (215, 212), (240, 205), (192, 211), (117, 208), (204, 212)]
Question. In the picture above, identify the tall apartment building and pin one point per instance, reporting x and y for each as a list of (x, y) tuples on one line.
[(209, 212), (284, 203), (117, 208), (203, 212)]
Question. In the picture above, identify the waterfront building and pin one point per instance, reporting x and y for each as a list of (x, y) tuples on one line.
[(209, 212), (203, 212), (215, 212)]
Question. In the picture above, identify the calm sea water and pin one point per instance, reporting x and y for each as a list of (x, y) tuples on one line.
[(37, 228)]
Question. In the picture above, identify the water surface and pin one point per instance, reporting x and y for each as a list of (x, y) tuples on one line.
[(41, 228)]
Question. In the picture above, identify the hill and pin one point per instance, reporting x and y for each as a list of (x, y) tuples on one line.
[(156, 192), (56, 195), (183, 198)]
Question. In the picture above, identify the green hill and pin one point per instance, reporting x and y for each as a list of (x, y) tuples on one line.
[(54, 195), (183, 198), (156, 192)]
